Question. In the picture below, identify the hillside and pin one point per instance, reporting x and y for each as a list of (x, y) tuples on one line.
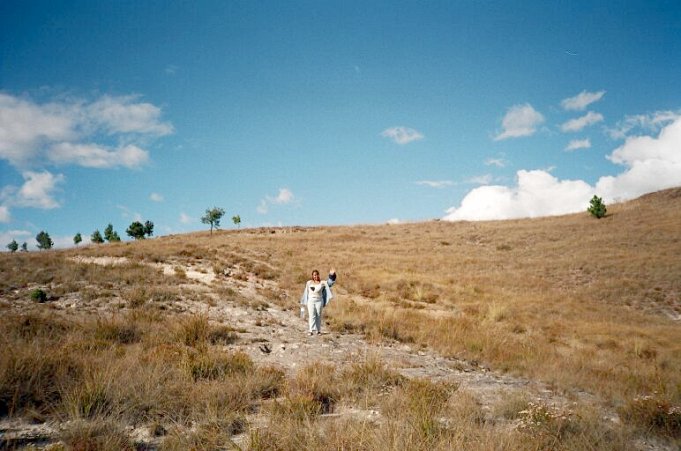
[(558, 333)]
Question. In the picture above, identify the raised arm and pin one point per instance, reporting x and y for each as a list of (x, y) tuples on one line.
[(332, 278)]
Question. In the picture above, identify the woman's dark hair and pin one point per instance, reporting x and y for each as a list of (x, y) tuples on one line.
[(315, 271)]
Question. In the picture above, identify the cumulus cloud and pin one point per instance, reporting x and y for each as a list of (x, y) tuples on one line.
[(435, 183), (285, 196), (537, 193), (96, 156), (519, 121), (125, 114), (37, 191), (575, 125), (26, 126), (581, 100), (156, 197), (650, 164), (71, 131), (402, 135), (577, 144)]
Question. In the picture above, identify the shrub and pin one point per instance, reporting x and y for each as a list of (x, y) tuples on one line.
[(597, 207), (38, 295)]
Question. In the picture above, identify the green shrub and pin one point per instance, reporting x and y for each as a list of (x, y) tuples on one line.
[(38, 295), (597, 207)]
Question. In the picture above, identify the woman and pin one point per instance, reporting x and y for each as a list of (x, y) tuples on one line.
[(316, 295)]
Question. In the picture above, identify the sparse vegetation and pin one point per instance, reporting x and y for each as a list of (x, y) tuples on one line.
[(134, 341), (77, 239)]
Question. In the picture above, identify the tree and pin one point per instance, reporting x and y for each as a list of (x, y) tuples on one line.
[(24, 247), (77, 238), (136, 230), (236, 220), (148, 228), (44, 240), (110, 234), (96, 237), (213, 217), (597, 207), (13, 246)]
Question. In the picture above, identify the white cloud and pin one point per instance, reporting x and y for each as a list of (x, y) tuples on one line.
[(37, 190), (537, 193), (520, 120), (393, 221), (581, 100), (481, 179), (26, 126), (285, 196), (156, 197), (498, 162), (70, 131), (651, 164), (435, 183), (402, 135), (5, 216), (125, 115), (575, 125), (576, 144), (95, 156), (185, 218), (649, 123)]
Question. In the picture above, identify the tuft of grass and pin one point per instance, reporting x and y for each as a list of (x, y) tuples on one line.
[(117, 331), (653, 413), (369, 379), (101, 434), (210, 365)]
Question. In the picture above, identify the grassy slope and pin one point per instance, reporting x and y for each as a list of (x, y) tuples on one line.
[(582, 303)]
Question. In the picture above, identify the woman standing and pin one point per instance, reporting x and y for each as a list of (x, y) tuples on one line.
[(316, 295)]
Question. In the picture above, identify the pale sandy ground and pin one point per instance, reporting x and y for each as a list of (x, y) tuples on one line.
[(276, 336)]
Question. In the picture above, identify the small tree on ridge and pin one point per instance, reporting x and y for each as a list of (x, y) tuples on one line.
[(44, 240), (597, 207), (13, 246), (213, 217)]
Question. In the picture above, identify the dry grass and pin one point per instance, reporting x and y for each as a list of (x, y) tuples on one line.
[(578, 303)]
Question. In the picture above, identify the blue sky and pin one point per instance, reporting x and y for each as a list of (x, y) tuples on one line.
[(330, 112)]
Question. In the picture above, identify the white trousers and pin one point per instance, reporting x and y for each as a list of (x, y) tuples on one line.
[(314, 316)]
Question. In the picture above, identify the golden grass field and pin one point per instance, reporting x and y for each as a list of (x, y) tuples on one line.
[(591, 308)]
